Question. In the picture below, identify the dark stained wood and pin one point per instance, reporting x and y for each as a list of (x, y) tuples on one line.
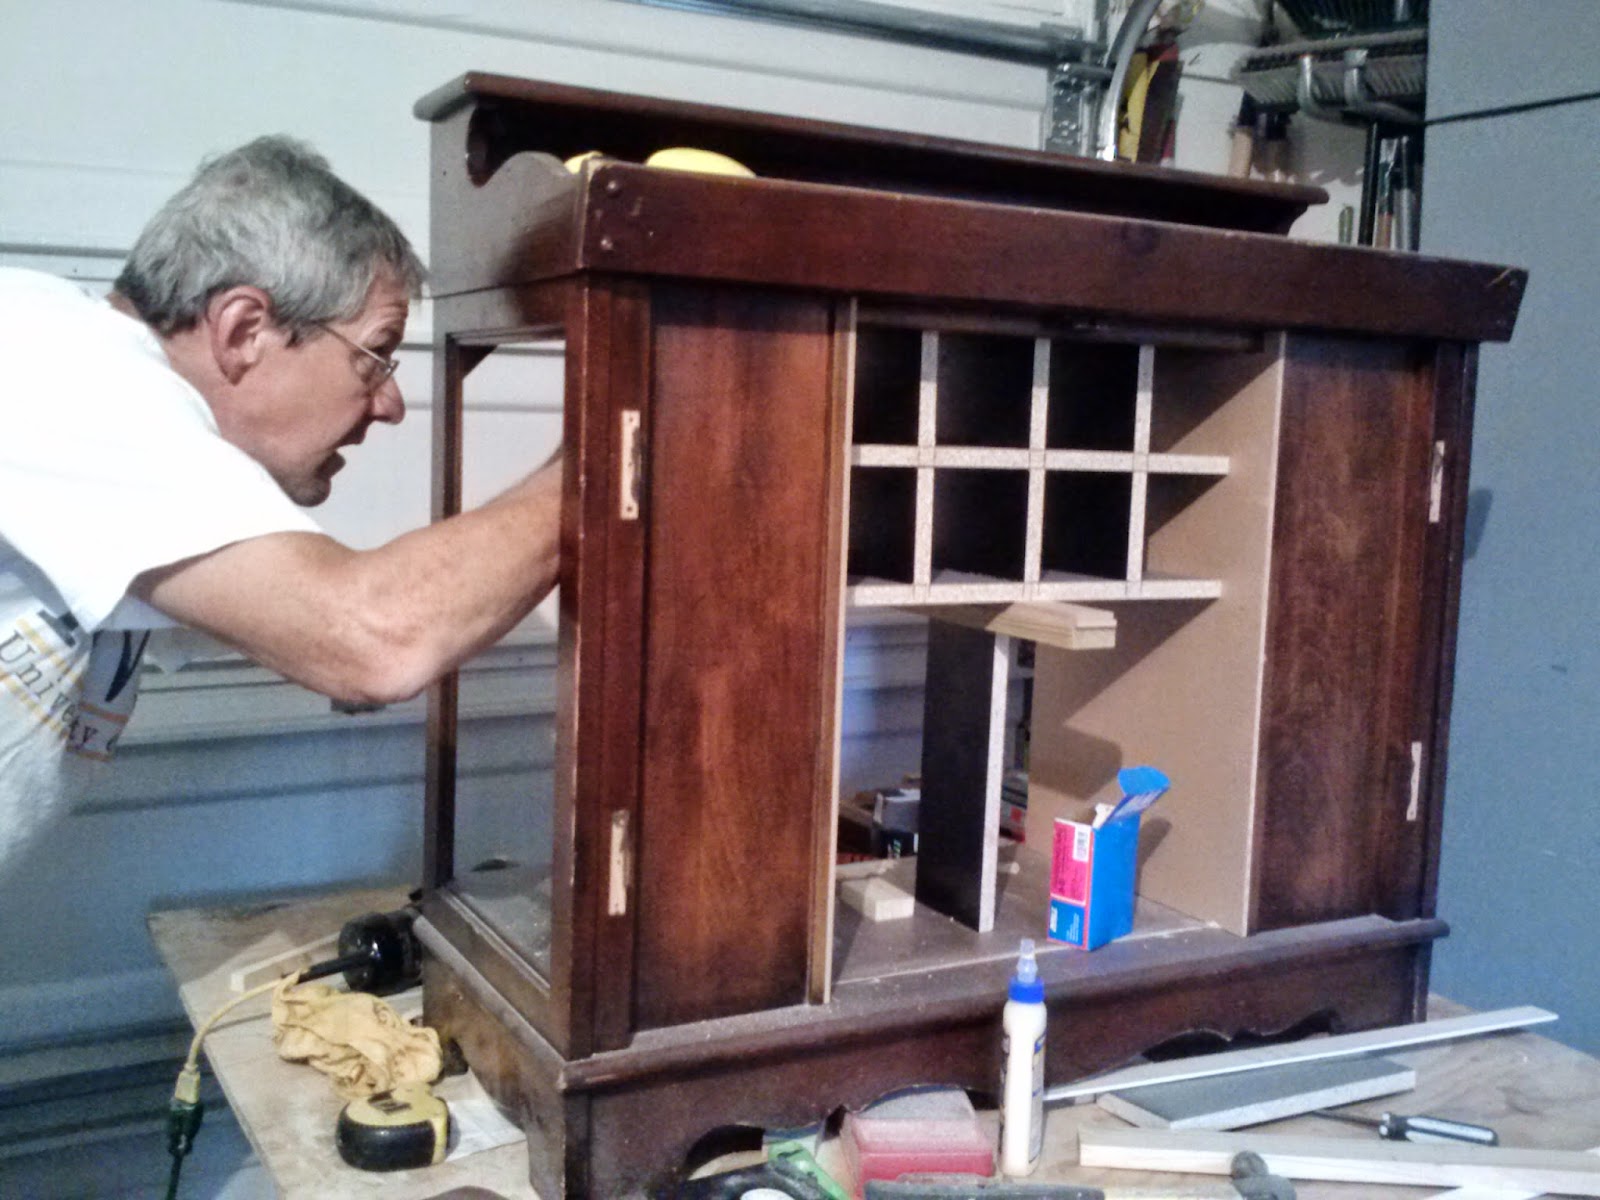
[(1342, 659), (467, 329), (699, 676), (736, 654), (608, 632), (533, 995), (1455, 381), (958, 702), (804, 1088), (899, 1003), (562, 121), (439, 764), (532, 209), (886, 245), (513, 1063), (602, 567), (623, 1121)]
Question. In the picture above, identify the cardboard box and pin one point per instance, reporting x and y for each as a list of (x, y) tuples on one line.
[(1091, 881), (1092, 865)]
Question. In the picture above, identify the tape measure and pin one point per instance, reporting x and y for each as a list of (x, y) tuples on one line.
[(395, 1130)]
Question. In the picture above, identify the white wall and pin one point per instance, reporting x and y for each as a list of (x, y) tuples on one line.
[(232, 783)]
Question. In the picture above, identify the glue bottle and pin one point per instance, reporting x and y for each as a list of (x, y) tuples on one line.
[(1022, 1068)]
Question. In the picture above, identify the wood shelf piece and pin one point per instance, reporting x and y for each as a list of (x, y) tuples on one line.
[(1067, 626)]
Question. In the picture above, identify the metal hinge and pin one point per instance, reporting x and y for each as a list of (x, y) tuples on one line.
[(621, 854), (632, 466), (1436, 485), (1413, 809)]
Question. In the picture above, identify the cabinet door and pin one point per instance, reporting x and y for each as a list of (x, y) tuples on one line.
[(1342, 748), (741, 603)]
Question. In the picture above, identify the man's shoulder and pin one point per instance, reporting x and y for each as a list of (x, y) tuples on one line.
[(38, 310), (22, 284), (59, 339)]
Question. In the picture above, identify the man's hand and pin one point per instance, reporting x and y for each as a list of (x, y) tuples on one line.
[(374, 626)]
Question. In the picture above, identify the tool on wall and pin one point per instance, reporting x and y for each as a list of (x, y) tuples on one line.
[(1362, 64)]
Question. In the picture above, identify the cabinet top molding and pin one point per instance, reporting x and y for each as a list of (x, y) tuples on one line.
[(903, 218), (563, 121)]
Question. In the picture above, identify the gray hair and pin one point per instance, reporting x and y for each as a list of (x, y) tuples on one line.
[(271, 215)]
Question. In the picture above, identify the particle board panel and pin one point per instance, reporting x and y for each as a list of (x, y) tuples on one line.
[(1182, 688), (739, 655), (963, 741), (1237, 1101)]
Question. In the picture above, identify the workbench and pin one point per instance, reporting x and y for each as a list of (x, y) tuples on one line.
[(287, 1110), (1534, 1091)]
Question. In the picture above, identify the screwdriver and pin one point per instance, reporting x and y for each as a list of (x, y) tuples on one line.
[(1398, 1128)]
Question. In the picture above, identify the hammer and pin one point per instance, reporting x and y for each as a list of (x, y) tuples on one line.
[(1248, 1180)]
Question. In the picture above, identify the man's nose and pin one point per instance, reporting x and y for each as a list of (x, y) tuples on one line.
[(388, 405)]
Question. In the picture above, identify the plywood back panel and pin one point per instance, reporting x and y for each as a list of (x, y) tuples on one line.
[(1182, 688)]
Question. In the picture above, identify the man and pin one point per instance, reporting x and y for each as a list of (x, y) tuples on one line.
[(155, 450)]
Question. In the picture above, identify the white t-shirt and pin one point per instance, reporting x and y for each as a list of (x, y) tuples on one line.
[(110, 465)]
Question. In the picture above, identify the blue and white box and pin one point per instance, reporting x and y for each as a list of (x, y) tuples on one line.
[(1092, 865)]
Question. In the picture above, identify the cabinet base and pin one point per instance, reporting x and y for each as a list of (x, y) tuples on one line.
[(623, 1122)]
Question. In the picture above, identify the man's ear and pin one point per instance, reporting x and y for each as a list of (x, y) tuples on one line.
[(239, 322)]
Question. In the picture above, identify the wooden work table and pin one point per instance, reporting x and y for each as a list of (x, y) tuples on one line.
[(1534, 1091), (287, 1110)]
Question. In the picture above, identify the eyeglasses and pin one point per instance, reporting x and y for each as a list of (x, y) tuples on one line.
[(379, 370)]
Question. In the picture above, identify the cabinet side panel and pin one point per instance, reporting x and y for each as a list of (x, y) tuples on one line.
[(738, 652), (1342, 642), (1455, 388)]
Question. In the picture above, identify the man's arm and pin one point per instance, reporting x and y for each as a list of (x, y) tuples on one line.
[(374, 626)]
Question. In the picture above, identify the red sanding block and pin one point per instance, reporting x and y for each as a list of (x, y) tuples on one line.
[(932, 1131)]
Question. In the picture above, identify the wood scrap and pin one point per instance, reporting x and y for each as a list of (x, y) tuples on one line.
[(1491, 1192), (1250, 1098), (1066, 626), (877, 899), (1346, 1160), (1311, 1049), (287, 963)]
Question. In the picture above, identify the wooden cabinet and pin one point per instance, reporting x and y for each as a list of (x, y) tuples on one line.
[(896, 372)]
